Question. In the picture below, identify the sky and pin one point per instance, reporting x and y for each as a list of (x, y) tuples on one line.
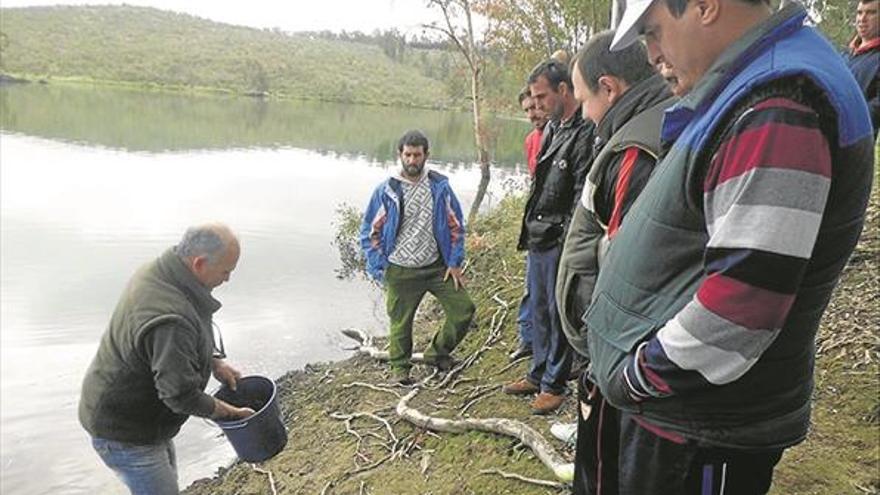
[(291, 15)]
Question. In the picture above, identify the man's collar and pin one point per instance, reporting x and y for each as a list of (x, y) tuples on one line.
[(186, 280), (857, 46)]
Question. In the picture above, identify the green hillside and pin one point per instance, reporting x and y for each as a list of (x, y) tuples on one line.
[(146, 46)]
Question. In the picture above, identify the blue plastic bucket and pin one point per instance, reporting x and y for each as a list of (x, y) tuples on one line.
[(261, 435)]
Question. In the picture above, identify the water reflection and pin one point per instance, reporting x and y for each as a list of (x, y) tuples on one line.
[(157, 122), (76, 221)]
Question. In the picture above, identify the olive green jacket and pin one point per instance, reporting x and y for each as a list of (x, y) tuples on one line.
[(154, 359)]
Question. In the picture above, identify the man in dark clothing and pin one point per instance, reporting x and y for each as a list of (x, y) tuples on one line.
[(155, 359), (622, 93), (562, 168), (863, 58), (531, 146), (703, 317)]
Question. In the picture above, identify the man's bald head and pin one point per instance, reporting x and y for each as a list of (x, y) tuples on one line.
[(210, 251)]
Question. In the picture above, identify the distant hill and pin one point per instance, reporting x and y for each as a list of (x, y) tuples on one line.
[(154, 47)]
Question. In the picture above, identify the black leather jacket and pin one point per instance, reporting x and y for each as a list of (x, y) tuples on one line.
[(563, 163)]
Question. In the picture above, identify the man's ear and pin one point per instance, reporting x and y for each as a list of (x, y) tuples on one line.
[(708, 10), (611, 87), (198, 263), (562, 88)]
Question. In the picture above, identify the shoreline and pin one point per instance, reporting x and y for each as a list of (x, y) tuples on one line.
[(8, 78)]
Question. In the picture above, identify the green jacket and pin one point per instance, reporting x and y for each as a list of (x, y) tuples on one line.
[(154, 359), (633, 121)]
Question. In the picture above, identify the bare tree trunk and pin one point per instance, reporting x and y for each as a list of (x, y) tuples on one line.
[(467, 45), (617, 7), (479, 126), (482, 151)]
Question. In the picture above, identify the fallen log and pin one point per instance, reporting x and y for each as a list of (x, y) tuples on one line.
[(365, 346), (502, 426)]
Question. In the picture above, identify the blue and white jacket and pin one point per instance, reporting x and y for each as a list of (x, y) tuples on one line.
[(382, 222)]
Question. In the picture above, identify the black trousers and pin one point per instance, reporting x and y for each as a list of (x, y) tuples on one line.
[(618, 453)]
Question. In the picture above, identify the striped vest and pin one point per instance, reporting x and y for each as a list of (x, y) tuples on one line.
[(655, 265)]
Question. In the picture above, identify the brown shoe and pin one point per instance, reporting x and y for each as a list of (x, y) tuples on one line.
[(546, 402), (520, 387)]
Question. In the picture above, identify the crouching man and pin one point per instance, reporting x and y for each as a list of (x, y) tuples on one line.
[(155, 359)]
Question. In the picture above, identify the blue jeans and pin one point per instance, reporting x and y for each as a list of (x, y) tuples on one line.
[(551, 361), (524, 319), (145, 469)]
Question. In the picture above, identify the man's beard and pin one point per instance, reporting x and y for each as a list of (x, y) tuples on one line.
[(413, 170)]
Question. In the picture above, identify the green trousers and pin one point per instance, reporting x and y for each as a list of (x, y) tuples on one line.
[(404, 290)]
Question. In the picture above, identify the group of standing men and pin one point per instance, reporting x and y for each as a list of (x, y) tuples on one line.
[(694, 200)]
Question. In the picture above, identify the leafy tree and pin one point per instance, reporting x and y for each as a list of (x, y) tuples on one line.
[(458, 27), (529, 31)]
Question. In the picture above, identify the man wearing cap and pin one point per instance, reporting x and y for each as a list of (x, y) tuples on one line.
[(704, 315), (155, 359)]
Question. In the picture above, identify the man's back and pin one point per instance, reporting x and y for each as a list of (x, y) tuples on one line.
[(120, 400)]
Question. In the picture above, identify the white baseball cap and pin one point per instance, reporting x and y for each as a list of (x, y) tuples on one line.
[(628, 30)]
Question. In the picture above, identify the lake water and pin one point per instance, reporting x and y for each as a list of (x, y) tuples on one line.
[(95, 182)]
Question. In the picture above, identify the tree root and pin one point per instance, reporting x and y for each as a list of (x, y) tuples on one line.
[(503, 426), (271, 478), (534, 481)]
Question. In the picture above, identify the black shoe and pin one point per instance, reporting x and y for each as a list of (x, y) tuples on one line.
[(442, 363), (521, 351), (401, 377)]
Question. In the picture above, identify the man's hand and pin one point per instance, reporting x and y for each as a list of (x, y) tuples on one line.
[(457, 276), (225, 373), (226, 411)]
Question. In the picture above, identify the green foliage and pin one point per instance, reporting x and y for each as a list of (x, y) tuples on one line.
[(835, 18), (346, 240), (529, 31), (150, 46)]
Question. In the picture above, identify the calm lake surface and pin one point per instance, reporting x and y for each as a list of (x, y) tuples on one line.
[(95, 182)]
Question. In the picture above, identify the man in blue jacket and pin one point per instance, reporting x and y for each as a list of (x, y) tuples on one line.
[(863, 58), (413, 238)]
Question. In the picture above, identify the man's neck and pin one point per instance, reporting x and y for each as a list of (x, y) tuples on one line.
[(569, 108)]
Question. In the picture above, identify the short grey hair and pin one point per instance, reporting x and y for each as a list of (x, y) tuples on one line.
[(201, 241)]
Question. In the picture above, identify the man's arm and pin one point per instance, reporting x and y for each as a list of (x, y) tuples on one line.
[(455, 222), (173, 351), (371, 234), (580, 161), (764, 195)]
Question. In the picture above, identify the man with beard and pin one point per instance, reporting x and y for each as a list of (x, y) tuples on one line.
[(559, 177), (413, 238)]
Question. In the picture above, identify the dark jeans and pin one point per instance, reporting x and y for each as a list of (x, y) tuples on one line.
[(552, 356), (524, 318), (616, 454)]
